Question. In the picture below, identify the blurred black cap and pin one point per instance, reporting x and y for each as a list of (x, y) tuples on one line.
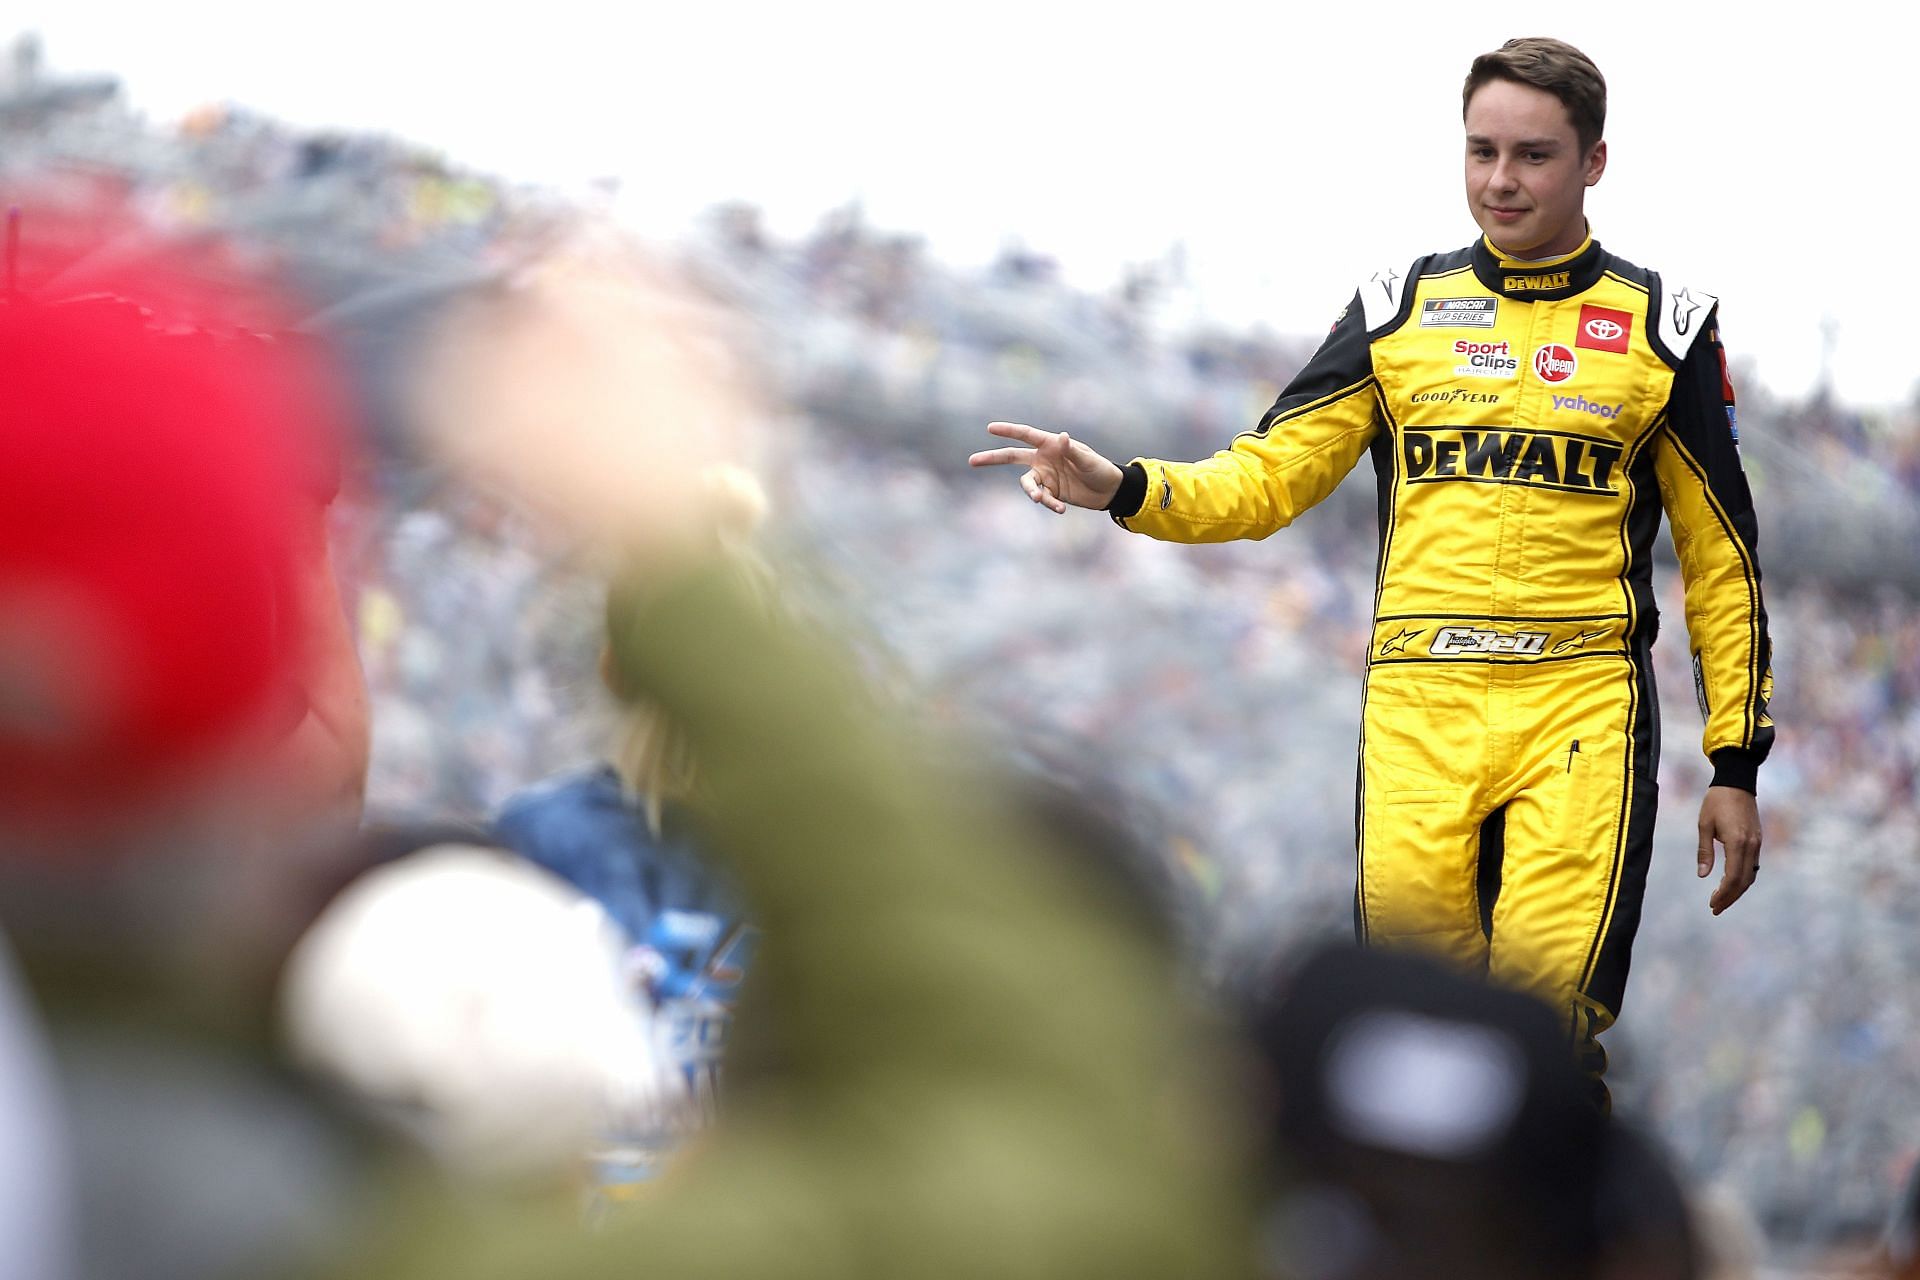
[(1451, 1109)]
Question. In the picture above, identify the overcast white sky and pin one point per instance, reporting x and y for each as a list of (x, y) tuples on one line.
[(1769, 161)]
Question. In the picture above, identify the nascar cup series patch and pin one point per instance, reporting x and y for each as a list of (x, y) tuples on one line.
[(1459, 313)]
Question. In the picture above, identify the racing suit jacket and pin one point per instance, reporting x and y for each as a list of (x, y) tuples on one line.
[(1582, 395)]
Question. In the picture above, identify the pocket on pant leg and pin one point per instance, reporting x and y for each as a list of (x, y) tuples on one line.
[(1575, 807), (1586, 812), (1424, 812)]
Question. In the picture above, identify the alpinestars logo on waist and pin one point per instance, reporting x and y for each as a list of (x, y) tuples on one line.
[(1576, 642), (1544, 281), (1398, 644)]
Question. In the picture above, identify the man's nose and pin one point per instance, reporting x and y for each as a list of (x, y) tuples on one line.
[(1503, 171)]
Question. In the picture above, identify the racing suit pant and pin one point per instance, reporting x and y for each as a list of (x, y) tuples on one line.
[(1506, 824)]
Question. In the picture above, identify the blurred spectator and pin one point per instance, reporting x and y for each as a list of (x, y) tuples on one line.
[(955, 1056), (171, 774), (627, 833), (1430, 1125)]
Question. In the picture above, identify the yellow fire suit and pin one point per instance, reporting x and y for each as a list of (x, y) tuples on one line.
[(1528, 423)]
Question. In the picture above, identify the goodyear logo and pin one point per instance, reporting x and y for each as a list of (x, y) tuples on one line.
[(1545, 280), (1547, 460)]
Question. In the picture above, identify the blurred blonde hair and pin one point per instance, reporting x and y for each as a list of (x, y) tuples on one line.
[(650, 752)]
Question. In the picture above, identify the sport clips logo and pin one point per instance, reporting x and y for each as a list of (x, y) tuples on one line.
[(1485, 359)]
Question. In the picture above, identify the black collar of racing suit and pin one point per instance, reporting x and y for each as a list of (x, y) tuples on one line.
[(1542, 281)]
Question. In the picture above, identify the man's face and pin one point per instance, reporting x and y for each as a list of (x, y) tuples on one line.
[(1527, 177)]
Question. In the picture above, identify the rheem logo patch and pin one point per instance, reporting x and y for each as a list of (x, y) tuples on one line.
[(1554, 363), (1604, 329)]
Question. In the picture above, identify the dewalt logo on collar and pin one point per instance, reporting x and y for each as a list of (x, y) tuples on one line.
[(1557, 460), (1544, 281)]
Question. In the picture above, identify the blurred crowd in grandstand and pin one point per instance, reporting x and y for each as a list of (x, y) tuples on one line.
[(1776, 1049)]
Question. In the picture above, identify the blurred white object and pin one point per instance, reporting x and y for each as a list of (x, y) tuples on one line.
[(1424, 1086), (481, 1002)]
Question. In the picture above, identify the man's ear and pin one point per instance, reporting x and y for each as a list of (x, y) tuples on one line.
[(1596, 161)]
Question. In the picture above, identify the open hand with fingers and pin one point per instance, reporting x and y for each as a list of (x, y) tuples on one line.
[(1061, 472)]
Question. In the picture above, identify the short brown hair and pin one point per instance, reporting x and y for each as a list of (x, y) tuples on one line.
[(1552, 65)]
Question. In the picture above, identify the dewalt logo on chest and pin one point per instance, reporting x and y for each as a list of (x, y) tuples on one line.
[(1549, 460)]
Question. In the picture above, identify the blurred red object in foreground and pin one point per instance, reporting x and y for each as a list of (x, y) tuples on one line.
[(157, 449)]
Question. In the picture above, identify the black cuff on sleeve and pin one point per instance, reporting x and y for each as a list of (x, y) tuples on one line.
[(1736, 767), (1131, 494)]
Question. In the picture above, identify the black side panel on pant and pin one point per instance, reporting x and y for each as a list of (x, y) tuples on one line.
[(1609, 981)]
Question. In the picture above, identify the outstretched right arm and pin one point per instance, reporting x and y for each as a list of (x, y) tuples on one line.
[(1304, 445), (1302, 448)]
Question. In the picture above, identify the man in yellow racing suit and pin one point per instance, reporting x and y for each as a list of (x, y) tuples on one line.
[(1531, 405)]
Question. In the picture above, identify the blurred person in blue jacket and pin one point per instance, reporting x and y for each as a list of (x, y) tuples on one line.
[(622, 832)]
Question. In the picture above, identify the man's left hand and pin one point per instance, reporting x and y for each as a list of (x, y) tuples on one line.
[(1732, 817)]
